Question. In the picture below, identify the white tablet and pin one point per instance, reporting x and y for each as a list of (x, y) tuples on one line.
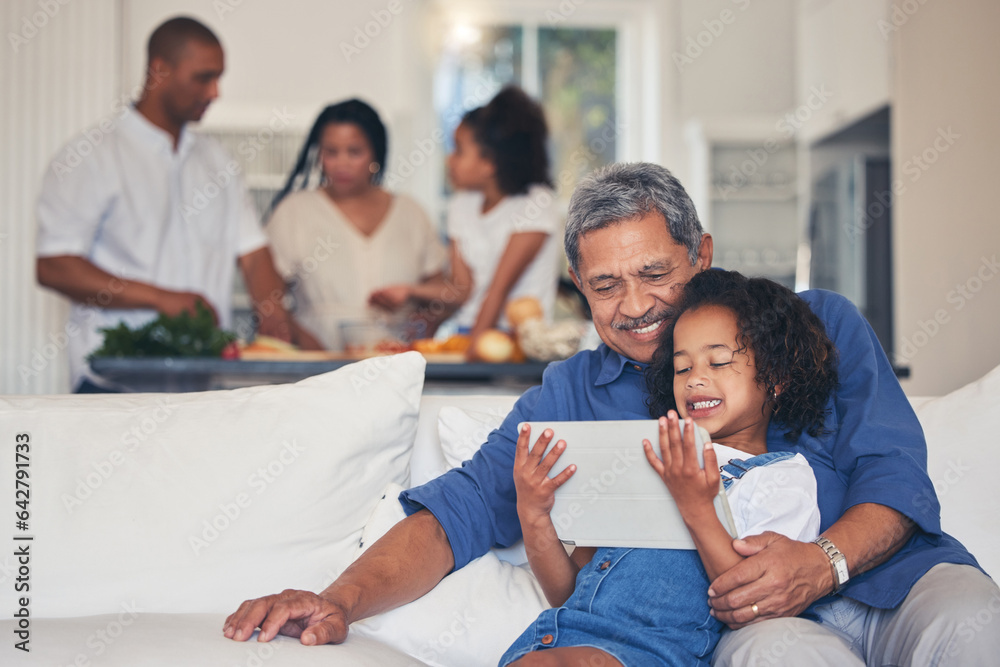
[(615, 498)]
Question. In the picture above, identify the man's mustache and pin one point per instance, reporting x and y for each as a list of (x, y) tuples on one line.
[(666, 314)]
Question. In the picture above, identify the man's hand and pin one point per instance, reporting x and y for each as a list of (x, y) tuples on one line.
[(174, 303), (314, 620), (781, 576), (84, 282), (404, 564)]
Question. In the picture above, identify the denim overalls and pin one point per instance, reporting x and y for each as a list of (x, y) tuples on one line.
[(643, 606)]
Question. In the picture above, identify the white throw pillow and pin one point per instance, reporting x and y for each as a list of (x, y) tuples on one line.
[(462, 431), (195, 502), (468, 619), (961, 430)]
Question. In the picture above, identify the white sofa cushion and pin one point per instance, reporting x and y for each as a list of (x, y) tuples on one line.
[(432, 451), (467, 620), (195, 502), (962, 430), (130, 639), (463, 431)]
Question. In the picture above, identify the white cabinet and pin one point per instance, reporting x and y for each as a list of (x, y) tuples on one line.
[(745, 191)]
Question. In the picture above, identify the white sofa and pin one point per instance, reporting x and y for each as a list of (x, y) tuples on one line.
[(153, 516)]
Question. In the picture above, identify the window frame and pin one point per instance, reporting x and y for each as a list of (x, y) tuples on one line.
[(637, 57)]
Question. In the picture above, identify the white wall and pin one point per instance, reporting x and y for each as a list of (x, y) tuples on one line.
[(60, 74), (742, 58), (729, 71), (300, 55), (946, 226), (843, 63)]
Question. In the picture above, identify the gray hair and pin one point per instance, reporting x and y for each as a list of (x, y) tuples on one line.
[(626, 191)]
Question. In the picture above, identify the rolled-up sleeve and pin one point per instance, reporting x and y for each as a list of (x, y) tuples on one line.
[(476, 504), (71, 207)]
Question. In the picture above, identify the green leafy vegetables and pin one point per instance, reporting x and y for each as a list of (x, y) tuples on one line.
[(183, 335)]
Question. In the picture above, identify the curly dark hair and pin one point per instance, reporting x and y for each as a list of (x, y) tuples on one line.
[(511, 131), (788, 341)]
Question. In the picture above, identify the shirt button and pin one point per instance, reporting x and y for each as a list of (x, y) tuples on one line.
[(605, 565), (637, 367), (547, 639)]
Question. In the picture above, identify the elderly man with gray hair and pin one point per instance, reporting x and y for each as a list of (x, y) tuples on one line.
[(902, 587)]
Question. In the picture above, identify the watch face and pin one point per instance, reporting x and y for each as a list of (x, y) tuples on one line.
[(837, 560), (841, 564)]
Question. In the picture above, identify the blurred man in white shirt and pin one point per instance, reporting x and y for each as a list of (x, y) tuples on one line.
[(151, 218)]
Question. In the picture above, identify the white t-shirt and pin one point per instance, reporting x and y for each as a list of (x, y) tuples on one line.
[(780, 496), (120, 196), (333, 267), (482, 238)]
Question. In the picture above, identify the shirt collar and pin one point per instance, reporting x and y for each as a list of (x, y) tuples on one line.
[(156, 136), (614, 364)]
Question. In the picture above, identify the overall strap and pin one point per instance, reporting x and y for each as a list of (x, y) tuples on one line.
[(736, 468)]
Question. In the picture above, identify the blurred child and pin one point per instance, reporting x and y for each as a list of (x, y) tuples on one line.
[(740, 353), (502, 221)]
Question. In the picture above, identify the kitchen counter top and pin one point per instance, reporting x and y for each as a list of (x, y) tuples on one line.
[(169, 374)]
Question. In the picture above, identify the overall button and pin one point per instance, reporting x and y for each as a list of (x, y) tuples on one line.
[(547, 639)]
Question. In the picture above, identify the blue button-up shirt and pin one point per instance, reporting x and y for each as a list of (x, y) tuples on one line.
[(874, 452)]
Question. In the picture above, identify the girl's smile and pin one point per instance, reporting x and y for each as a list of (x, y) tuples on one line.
[(715, 379)]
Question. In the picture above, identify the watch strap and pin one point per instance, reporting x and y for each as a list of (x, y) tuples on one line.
[(838, 562)]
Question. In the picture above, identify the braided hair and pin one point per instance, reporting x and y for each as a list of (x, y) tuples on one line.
[(353, 111)]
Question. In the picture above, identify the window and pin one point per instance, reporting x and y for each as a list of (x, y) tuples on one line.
[(572, 71)]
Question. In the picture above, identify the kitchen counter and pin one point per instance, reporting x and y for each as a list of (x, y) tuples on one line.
[(168, 374)]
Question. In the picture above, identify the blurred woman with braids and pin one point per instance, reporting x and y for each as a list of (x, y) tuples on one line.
[(340, 241)]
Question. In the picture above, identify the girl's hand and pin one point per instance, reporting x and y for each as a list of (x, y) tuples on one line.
[(536, 492), (692, 487), (391, 297)]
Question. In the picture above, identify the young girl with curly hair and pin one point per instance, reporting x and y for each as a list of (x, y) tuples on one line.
[(502, 221), (741, 353)]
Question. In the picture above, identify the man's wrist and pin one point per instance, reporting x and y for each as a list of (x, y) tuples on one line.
[(343, 596), (838, 562), (146, 295)]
